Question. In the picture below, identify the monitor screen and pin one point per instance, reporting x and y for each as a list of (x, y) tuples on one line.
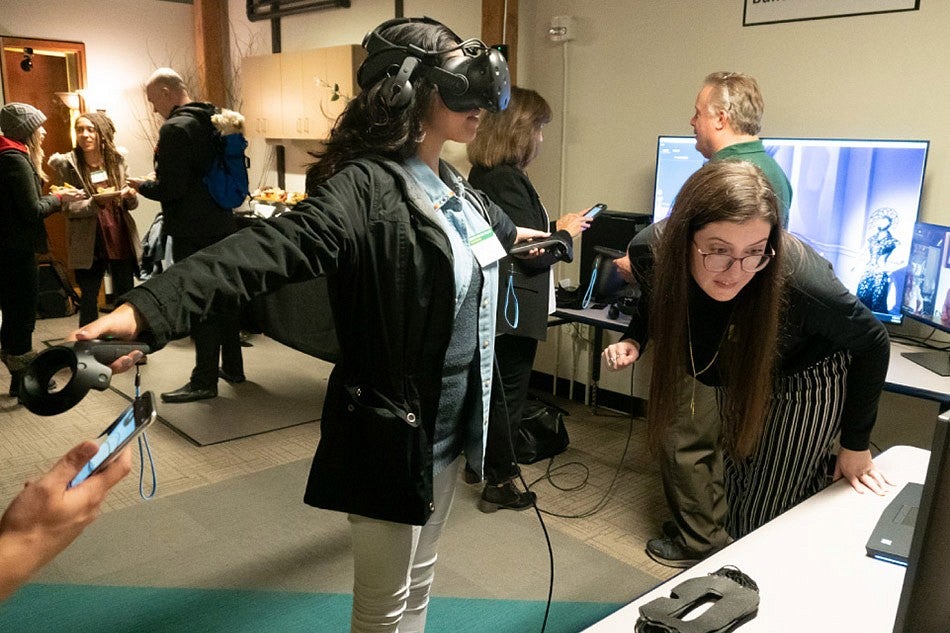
[(927, 279), (927, 290), (924, 605), (854, 201)]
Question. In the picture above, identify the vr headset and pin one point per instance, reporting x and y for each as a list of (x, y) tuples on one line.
[(478, 78)]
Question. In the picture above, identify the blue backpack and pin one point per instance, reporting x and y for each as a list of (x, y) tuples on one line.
[(226, 177)]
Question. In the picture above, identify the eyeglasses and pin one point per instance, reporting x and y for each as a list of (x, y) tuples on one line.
[(721, 262)]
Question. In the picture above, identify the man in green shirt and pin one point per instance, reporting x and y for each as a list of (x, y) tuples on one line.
[(727, 122)]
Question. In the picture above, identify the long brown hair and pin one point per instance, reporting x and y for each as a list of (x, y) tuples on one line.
[(722, 191), (510, 137)]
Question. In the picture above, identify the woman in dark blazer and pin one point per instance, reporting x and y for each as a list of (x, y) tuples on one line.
[(506, 143)]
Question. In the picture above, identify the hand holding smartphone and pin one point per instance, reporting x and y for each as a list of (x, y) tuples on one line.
[(594, 210), (130, 423)]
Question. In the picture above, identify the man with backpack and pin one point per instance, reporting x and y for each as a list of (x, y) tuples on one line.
[(193, 219)]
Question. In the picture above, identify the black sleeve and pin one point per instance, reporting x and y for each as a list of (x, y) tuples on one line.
[(640, 252), (23, 192), (823, 310), (318, 237)]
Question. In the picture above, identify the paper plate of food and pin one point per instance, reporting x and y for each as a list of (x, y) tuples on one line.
[(104, 193), (54, 189)]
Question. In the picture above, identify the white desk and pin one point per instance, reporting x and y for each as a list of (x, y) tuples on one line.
[(810, 563), (908, 378)]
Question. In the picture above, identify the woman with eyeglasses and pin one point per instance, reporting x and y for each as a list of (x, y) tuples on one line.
[(797, 362)]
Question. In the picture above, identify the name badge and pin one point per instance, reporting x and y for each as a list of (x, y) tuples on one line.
[(486, 247), (98, 176)]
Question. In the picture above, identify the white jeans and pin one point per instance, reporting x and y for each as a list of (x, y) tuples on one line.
[(394, 565)]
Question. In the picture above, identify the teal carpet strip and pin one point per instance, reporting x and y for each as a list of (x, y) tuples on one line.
[(48, 608)]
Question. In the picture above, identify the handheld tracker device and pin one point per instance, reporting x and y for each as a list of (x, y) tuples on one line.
[(130, 423), (555, 244), (86, 364), (594, 210)]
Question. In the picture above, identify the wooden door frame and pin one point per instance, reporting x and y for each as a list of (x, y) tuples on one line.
[(54, 46)]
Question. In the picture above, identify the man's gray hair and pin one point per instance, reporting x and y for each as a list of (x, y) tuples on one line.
[(739, 97)]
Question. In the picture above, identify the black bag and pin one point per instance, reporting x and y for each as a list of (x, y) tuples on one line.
[(542, 433), (57, 298)]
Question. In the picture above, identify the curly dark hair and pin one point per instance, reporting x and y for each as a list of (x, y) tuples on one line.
[(368, 125)]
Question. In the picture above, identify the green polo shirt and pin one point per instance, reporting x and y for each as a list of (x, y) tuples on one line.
[(754, 152)]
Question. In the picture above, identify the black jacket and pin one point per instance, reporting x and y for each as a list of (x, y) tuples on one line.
[(182, 158), (22, 208), (510, 188), (372, 231)]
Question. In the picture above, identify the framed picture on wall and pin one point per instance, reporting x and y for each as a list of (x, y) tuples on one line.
[(772, 12)]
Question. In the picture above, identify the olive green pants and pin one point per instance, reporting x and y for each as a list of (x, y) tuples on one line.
[(692, 471)]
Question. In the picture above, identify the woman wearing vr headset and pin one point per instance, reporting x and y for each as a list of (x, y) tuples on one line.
[(737, 303), (411, 254)]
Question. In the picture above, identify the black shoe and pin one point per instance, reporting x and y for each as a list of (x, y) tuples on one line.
[(471, 477), (189, 394), (505, 497), (667, 551), (234, 379)]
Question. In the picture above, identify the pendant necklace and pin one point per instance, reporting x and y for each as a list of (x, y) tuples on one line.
[(692, 360)]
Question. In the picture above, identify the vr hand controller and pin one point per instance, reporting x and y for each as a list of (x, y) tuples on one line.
[(84, 363)]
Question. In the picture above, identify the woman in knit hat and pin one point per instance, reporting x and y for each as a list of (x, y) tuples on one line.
[(100, 231), (22, 232)]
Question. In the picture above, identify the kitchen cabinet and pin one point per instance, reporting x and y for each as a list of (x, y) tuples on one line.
[(291, 95)]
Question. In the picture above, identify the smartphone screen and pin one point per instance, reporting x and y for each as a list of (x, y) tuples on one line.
[(127, 427), (594, 210)]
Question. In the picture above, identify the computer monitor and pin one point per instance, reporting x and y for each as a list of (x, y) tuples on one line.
[(927, 290), (855, 201), (924, 605)]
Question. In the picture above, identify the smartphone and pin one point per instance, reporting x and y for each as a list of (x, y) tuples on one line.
[(594, 210), (126, 428)]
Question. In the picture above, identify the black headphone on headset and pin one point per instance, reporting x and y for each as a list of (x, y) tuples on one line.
[(476, 79)]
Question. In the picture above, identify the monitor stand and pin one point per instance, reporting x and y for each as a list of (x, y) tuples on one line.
[(938, 362)]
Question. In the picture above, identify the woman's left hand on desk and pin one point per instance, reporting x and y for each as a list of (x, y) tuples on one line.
[(859, 469)]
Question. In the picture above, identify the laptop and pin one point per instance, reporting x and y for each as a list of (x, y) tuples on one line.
[(890, 541)]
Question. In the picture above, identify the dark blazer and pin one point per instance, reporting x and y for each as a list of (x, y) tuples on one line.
[(509, 188)]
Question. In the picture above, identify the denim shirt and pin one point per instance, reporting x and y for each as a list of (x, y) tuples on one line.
[(459, 219)]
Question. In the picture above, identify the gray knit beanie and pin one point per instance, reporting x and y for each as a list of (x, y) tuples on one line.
[(19, 120)]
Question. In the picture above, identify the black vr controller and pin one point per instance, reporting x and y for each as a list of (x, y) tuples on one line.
[(561, 248), (85, 362)]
